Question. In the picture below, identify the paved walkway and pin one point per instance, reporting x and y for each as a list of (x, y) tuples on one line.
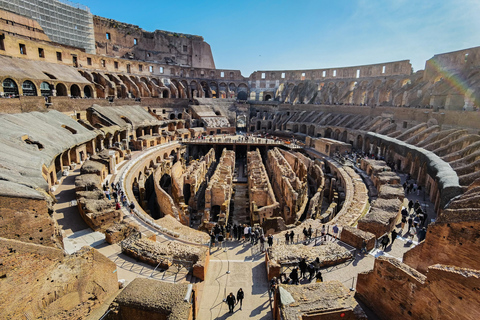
[(247, 272)]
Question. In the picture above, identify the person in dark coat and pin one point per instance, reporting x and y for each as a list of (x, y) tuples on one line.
[(270, 240), (311, 271), (385, 242), (303, 268), (231, 302), (292, 234), (240, 296), (287, 236), (394, 236), (294, 276)]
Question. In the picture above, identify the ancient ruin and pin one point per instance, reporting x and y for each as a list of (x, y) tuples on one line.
[(126, 155)]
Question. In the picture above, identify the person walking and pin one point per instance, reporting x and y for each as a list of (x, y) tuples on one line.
[(303, 268), (385, 242), (394, 236), (287, 236), (231, 302), (262, 243), (270, 241), (292, 234), (240, 296)]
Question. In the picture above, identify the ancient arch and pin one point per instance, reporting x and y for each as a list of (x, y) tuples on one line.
[(75, 91), (29, 89), (10, 87), (46, 89), (61, 89)]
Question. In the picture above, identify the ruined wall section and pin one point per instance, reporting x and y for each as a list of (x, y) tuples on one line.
[(28, 220), (444, 293), (263, 204), (288, 188), (450, 243), (165, 202), (195, 174), (219, 190), (49, 285), (122, 40)]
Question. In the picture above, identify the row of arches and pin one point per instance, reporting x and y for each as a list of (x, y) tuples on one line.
[(181, 88), (12, 88)]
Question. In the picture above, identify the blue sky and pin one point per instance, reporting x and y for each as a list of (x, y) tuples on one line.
[(309, 34)]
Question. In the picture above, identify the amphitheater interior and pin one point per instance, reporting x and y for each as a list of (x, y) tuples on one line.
[(124, 166)]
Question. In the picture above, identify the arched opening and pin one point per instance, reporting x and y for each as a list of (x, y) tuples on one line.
[(166, 183), (214, 213), (328, 133), (75, 91), (29, 88), (45, 89), (311, 131), (10, 88), (87, 91), (61, 90), (242, 95), (267, 97), (172, 116), (165, 94), (187, 193)]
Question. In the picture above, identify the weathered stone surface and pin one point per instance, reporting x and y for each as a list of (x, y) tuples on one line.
[(330, 299), (49, 285), (151, 299), (119, 231), (408, 293), (355, 237), (329, 254), (383, 215)]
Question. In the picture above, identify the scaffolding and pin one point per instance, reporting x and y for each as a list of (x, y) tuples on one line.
[(62, 21)]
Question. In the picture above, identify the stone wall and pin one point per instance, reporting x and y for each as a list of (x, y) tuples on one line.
[(49, 285), (452, 243), (28, 220), (445, 292), (289, 189), (263, 204), (355, 237), (219, 190)]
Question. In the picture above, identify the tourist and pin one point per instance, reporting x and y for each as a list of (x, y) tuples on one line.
[(404, 216), (262, 243), (410, 206), (107, 194), (324, 233), (234, 229), (132, 207), (422, 234), (294, 276), (292, 234), (240, 296), (311, 271), (310, 231), (231, 302), (410, 223), (318, 276), (416, 205), (287, 236), (335, 231), (270, 241), (305, 234), (394, 236), (239, 232), (303, 267), (117, 206), (384, 241), (364, 247), (212, 239)]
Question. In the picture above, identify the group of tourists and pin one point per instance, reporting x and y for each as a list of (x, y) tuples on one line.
[(115, 192), (304, 270), (234, 232), (232, 301)]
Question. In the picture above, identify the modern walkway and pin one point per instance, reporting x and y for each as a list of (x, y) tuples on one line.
[(247, 272)]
